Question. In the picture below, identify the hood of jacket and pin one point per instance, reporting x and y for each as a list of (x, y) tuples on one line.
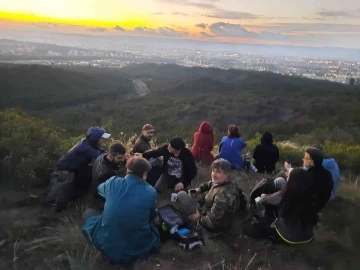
[(205, 127), (94, 135), (330, 164), (267, 138)]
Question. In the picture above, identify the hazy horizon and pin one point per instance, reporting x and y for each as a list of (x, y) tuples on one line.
[(297, 23)]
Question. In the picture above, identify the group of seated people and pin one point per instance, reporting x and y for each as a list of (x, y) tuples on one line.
[(126, 229)]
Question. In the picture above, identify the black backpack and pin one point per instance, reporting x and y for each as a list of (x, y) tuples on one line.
[(265, 186), (243, 200), (173, 226)]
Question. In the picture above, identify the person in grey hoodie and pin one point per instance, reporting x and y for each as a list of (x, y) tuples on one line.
[(331, 165)]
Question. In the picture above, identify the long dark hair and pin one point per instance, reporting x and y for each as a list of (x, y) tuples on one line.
[(297, 201)]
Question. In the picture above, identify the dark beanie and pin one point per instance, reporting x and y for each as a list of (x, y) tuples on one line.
[(177, 143)]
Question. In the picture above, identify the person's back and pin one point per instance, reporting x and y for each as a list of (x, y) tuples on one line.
[(83, 152), (203, 143), (123, 231), (331, 165), (231, 150), (266, 154), (297, 216), (323, 186), (231, 147)]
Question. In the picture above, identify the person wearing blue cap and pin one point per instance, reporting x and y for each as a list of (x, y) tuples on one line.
[(77, 159)]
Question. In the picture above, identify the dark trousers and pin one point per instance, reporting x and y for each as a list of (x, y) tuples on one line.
[(166, 181)]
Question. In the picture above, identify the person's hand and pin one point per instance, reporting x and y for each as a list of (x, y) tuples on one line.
[(127, 156), (263, 196), (287, 166), (195, 217), (179, 187), (196, 189)]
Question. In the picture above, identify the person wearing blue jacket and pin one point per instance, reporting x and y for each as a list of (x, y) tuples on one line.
[(231, 147), (123, 231), (77, 159)]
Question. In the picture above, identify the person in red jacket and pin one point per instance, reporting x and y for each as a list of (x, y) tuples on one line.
[(203, 143)]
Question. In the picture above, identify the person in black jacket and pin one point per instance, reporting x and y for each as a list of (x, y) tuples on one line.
[(321, 178), (266, 154), (108, 165), (179, 166), (142, 143)]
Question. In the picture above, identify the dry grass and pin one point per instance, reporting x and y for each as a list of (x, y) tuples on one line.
[(40, 239)]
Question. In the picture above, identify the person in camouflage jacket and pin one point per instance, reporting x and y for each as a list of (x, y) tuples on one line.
[(220, 200)]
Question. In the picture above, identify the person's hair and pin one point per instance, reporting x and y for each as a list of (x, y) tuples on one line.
[(221, 164), (233, 132), (137, 166), (316, 155), (267, 138), (117, 148), (297, 203)]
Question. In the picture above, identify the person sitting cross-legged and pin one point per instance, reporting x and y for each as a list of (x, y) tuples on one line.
[(179, 167), (219, 203), (123, 232)]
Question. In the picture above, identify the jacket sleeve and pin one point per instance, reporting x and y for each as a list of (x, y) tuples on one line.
[(205, 186), (273, 199), (90, 152), (190, 169), (103, 188), (161, 151), (214, 218)]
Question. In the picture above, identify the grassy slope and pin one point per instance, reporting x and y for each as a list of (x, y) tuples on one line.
[(40, 239)]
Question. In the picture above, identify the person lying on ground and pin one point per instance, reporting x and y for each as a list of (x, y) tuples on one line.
[(179, 167), (219, 200), (123, 232)]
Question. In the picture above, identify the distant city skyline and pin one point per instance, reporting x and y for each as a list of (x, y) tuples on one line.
[(276, 22)]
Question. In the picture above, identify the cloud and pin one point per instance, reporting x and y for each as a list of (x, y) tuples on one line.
[(311, 27), (223, 29), (161, 31), (119, 28), (97, 29), (335, 14), (180, 13), (201, 25), (207, 5), (204, 34), (232, 15), (229, 30)]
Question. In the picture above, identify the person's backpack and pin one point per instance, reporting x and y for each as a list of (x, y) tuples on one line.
[(61, 190), (243, 200), (265, 186), (174, 227)]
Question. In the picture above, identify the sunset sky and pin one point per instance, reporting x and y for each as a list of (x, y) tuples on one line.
[(294, 22)]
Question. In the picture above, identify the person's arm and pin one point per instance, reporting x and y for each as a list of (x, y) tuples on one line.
[(90, 152), (215, 217), (273, 199), (104, 188), (205, 187), (161, 151)]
